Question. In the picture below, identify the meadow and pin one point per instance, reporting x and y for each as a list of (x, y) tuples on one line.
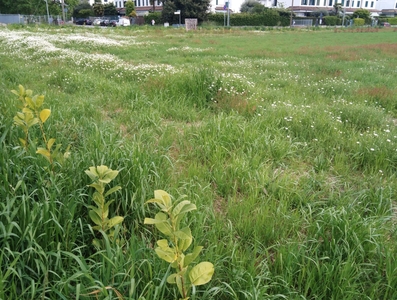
[(284, 139)]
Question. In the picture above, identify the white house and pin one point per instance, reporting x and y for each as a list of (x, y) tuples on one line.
[(300, 7)]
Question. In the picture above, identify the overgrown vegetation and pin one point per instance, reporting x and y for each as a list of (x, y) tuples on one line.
[(284, 140)]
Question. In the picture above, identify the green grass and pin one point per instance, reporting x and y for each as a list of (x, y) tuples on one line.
[(284, 139)]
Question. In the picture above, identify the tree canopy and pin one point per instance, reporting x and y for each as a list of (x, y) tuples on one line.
[(252, 7), (109, 10), (130, 9), (34, 7), (363, 14), (189, 9)]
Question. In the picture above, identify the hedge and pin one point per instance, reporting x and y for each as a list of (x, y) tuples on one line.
[(268, 18), (359, 22), (332, 21)]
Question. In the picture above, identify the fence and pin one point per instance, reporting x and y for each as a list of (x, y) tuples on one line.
[(302, 22), (30, 19)]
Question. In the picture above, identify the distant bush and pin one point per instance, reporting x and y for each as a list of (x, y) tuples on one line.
[(268, 18), (332, 20), (392, 21), (359, 22), (156, 16)]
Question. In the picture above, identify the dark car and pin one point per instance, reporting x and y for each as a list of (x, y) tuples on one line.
[(104, 23), (113, 23), (385, 24), (83, 22)]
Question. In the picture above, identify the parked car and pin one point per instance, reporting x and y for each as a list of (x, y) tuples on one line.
[(385, 24), (124, 22), (113, 23), (104, 23), (97, 22), (83, 22)]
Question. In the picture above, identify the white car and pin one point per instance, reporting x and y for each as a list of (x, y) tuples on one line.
[(124, 22), (97, 22)]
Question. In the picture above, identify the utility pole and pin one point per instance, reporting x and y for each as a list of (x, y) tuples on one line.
[(228, 13), (292, 10), (63, 11), (48, 15)]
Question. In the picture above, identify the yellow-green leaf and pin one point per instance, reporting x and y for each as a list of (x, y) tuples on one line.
[(183, 207), (201, 273), (114, 221), (192, 256), (164, 196), (94, 217), (166, 254), (43, 152), (44, 114), (50, 143)]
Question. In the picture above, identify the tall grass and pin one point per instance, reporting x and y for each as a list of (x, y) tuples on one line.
[(285, 141)]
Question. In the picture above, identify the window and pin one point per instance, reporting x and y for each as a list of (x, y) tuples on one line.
[(318, 3), (330, 3), (353, 3), (343, 2), (347, 3), (358, 3), (366, 3), (372, 3), (311, 2)]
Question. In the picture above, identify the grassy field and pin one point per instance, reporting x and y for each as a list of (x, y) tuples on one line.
[(285, 140)]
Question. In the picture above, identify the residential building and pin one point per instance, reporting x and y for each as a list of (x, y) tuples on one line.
[(142, 7)]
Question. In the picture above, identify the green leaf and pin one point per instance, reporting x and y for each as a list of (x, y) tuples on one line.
[(185, 238), (192, 256), (92, 173), (114, 221), (167, 254), (43, 152), (44, 114), (30, 103), (201, 273), (172, 278), (50, 143), (159, 202), (38, 100), (164, 196), (183, 207), (112, 190), (95, 218)]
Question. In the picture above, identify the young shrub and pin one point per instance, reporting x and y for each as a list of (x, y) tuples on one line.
[(102, 175), (168, 222), (31, 114)]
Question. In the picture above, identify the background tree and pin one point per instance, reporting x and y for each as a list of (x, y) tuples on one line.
[(189, 9), (98, 9), (152, 2), (252, 7), (130, 9), (109, 10), (337, 8), (83, 10), (363, 14)]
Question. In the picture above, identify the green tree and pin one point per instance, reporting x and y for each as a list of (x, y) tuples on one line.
[(83, 10), (363, 14), (109, 10), (98, 9), (252, 7), (337, 8), (197, 9), (130, 9)]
